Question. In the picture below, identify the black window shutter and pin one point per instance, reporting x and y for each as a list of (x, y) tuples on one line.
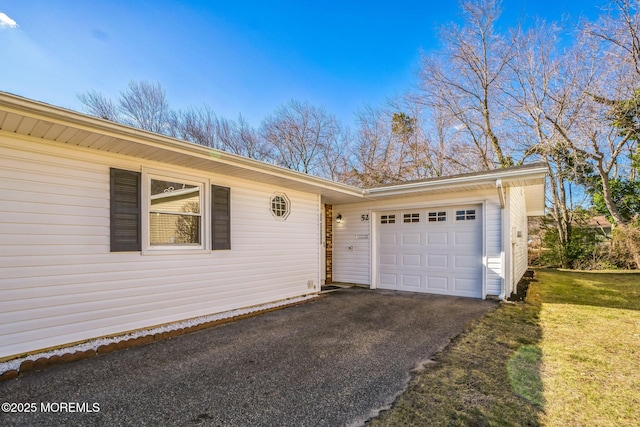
[(125, 211), (220, 217)]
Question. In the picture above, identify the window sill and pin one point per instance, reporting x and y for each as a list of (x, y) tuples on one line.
[(175, 251)]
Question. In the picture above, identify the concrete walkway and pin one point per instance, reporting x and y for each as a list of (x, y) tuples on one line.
[(336, 361)]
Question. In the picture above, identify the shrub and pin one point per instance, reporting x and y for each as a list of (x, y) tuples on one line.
[(625, 245), (584, 250)]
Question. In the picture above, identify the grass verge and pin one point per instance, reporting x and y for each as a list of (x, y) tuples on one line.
[(591, 347), (570, 355)]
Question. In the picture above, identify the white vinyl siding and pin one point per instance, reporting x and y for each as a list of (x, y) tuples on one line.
[(353, 265), (60, 284), (493, 242), (351, 244), (519, 248)]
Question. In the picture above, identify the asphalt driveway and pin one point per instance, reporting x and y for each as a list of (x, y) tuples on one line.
[(335, 361)]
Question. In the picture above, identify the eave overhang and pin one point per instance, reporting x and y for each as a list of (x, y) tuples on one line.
[(33, 119), (43, 122)]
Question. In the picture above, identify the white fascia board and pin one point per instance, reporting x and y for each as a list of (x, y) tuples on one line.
[(39, 110), (489, 179)]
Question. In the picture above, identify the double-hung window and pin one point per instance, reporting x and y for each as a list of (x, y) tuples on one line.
[(161, 212), (175, 213)]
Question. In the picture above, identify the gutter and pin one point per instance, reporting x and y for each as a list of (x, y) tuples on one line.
[(57, 115), (38, 110), (494, 177)]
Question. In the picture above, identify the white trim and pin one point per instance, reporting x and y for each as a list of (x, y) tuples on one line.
[(506, 247), (205, 190), (372, 237), (373, 249), (208, 158), (456, 181), (288, 206), (485, 257)]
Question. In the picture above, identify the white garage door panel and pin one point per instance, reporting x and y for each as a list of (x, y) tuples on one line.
[(437, 261), (464, 238), (411, 239), (465, 261), (388, 281), (437, 283), (388, 239), (388, 259), (465, 285), (437, 238), (409, 260), (410, 281), (443, 257)]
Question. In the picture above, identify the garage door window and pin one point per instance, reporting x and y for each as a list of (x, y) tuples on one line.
[(437, 216), (411, 217), (387, 219), (466, 215)]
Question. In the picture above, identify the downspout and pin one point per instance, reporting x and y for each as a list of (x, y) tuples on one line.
[(500, 192), (502, 198)]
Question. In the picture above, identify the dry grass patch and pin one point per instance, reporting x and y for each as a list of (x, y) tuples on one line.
[(570, 356), (469, 383)]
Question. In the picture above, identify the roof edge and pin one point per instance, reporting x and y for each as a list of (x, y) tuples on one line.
[(531, 171), (41, 110)]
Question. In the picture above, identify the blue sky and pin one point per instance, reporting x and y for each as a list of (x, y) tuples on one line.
[(236, 57)]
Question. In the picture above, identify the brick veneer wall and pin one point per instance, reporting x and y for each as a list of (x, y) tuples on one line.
[(328, 209)]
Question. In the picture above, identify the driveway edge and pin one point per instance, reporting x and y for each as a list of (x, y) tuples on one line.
[(38, 361)]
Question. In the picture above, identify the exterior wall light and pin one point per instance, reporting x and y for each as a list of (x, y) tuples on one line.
[(339, 218)]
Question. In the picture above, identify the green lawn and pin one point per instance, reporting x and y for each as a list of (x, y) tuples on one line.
[(591, 347), (570, 356)]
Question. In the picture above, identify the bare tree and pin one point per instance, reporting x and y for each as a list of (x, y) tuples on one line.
[(143, 105), (464, 79), (239, 137), (613, 40), (448, 154), (372, 158), (563, 100), (544, 98), (202, 126), (196, 125), (401, 141), (302, 137), (98, 105)]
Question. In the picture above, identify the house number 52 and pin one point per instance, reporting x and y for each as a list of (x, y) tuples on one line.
[(364, 217)]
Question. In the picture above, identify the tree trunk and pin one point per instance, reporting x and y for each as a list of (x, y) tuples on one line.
[(606, 195)]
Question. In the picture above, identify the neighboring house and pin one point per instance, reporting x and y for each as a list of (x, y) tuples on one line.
[(601, 224), (106, 229)]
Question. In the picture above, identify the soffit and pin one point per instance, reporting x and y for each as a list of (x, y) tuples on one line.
[(49, 123), (108, 137)]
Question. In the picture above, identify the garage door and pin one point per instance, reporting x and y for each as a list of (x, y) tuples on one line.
[(431, 250)]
